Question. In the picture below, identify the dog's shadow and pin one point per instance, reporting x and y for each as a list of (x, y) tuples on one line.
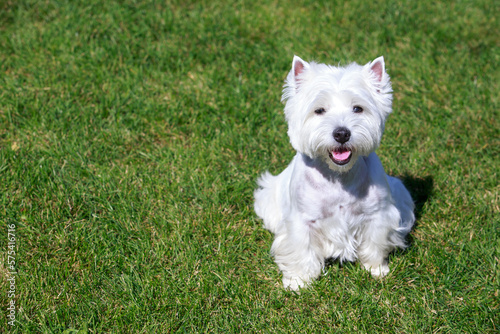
[(421, 189)]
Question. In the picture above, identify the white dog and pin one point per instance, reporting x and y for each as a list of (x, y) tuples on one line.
[(334, 200)]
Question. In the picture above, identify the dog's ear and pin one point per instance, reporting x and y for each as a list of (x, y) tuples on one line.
[(292, 82), (378, 76), (298, 66), (380, 83), (377, 67)]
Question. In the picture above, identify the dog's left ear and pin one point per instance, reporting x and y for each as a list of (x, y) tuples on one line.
[(377, 67), (378, 76)]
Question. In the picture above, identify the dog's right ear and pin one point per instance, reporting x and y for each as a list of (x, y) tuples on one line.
[(292, 82), (298, 67)]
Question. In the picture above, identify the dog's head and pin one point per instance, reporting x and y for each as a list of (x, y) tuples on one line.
[(337, 113)]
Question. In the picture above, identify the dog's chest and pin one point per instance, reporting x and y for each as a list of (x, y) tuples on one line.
[(319, 197)]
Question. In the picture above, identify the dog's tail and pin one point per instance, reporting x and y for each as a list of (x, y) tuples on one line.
[(267, 201)]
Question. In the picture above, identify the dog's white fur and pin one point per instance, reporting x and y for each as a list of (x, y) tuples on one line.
[(320, 207)]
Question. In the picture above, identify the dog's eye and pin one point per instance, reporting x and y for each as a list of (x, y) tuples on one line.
[(320, 111), (357, 109)]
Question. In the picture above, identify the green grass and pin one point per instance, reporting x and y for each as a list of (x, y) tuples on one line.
[(132, 133)]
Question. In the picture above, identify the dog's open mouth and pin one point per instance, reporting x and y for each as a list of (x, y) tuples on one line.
[(341, 155)]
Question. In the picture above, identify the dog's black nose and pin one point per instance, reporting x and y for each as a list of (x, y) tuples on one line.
[(342, 135)]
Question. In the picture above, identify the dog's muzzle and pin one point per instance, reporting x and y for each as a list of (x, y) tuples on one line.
[(341, 155)]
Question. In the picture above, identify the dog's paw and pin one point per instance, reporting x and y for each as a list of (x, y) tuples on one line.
[(293, 283), (378, 271)]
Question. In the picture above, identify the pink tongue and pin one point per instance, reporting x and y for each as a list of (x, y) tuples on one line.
[(341, 155)]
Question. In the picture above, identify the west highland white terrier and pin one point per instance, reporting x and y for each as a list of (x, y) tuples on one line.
[(334, 200)]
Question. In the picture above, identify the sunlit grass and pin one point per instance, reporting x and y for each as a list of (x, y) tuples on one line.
[(132, 133)]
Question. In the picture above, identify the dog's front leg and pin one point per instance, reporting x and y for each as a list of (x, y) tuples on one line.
[(295, 255), (376, 242)]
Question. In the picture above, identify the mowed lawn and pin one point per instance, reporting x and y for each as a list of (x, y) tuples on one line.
[(132, 134)]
